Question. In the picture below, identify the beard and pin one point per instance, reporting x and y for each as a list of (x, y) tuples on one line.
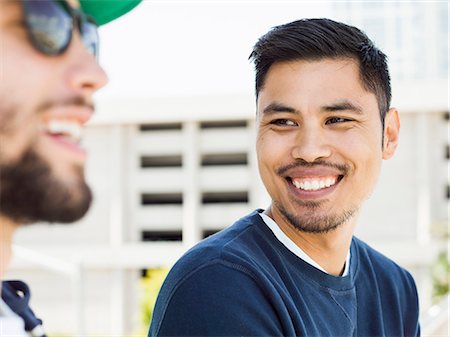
[(30, 192), (312, 222)]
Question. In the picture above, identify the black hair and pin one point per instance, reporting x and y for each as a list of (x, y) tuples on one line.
[(316, 39)]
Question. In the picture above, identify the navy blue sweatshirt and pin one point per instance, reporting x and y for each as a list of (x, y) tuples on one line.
[(244, 282)]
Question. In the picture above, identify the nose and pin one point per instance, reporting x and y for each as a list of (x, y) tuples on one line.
[(311, 144), (84, 74)]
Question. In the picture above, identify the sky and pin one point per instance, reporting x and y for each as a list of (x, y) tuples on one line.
[(185, 48)]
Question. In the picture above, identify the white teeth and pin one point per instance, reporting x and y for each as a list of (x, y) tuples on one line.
[(68, 128), (313, 184)]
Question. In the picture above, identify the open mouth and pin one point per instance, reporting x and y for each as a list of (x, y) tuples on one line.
[(64, 129), (315, 183)]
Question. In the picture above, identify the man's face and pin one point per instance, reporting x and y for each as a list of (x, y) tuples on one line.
[(319, 142), (44, 102)]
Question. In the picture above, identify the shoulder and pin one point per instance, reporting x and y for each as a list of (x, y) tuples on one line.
[(378, 262), (235, 249), (212, 286), (391, 286), (228, 247), (214, 300), (387, 273)]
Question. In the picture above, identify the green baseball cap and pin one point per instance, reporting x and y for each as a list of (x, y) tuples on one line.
[(104, 11)]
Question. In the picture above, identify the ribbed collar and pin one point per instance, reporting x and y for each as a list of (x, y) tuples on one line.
[(289, 244), (306, 270)]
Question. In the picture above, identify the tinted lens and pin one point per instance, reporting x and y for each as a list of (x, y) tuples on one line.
[(49, 25), (89, 36)]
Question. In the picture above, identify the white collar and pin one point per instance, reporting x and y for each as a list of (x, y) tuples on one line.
[(10, 323), (289, 244)]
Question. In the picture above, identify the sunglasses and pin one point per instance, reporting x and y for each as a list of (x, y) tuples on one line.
[(50, 25)]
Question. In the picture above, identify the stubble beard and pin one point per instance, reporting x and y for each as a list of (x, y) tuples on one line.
[(313, 217), (30, 192), (310, 221)]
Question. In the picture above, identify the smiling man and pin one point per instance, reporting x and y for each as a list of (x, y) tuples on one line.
[(48, 75), (295, 269)]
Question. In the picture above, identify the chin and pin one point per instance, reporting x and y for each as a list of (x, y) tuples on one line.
[(35, 194), (314, 221)]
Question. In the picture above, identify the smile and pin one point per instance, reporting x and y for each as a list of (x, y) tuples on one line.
[(66, 133), (64, 122), (314, 184), (69, 130)]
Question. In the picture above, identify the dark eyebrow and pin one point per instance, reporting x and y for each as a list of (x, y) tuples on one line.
[(277, 108), (343, 106)]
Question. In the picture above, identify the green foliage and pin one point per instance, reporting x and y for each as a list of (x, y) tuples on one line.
[(441, 276), (150, 285), (441, 268)]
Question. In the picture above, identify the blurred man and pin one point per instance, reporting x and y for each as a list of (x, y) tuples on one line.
[(295, 269), (48, 74)]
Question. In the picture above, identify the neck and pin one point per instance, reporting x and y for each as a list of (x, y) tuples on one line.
[(328, 249), (7, 229)]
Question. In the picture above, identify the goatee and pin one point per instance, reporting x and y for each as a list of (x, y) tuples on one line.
[(311, 222)]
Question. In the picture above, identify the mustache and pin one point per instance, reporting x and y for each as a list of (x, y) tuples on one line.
[(343, 168), (71, 101)]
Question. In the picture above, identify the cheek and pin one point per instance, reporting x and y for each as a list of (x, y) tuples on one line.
[(362, 149), (20, 95), (365, 154), (373, 171), (264, 148), (273, 151), (29, 73), (267, 152), (19, 132), (272, 148), (364, 144)]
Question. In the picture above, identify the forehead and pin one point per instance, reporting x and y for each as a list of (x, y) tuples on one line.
[(314, 83), (328, 73), (330, 66)]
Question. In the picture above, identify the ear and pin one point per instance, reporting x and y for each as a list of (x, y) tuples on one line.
[(391, 133)]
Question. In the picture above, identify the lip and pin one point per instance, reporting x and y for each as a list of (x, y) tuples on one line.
[(316, 172), (74, 109), (312, 172), (311, 195), (74, 148), (79, 113)]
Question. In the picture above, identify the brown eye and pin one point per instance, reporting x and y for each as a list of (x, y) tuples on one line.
[(283, 122), (334, 120)]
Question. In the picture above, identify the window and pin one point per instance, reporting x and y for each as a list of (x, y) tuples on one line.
[(161, 161), (224, 159), (225, 197), (161, 199)]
